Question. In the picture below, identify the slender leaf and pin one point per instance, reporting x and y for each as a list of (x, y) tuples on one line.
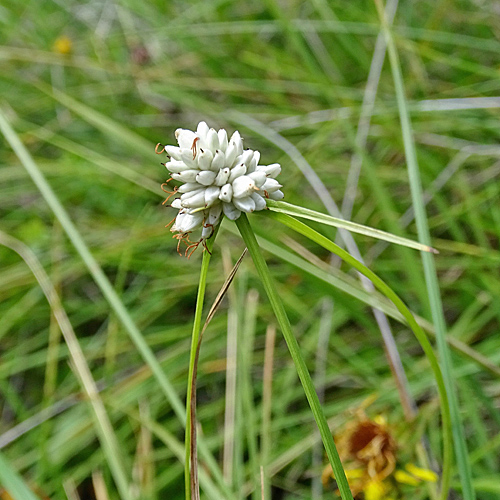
[(431, 279), (249, 238), (13, 482), (306, 213), (417, 330)]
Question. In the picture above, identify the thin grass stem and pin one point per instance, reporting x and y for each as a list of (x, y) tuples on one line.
[(191, 465), (431, 280), (267, 388), (104, 428), (104, 284), (13, 482), (417, 330), (248, 236)]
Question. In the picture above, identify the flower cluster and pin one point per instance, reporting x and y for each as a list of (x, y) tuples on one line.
[(368, 452), (219, 178)]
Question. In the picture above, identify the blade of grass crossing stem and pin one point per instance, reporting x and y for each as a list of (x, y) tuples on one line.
[(249, 238), (104, 284), (417, 330), (461, 452)]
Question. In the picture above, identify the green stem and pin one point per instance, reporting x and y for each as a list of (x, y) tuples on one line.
[(106, 288), (430, 273), (417, 330), (195, 337), (12, 481), (300, 365)]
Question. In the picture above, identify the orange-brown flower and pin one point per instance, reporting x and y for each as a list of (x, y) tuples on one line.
[(368, 453)]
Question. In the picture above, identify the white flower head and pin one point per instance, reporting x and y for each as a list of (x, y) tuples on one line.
[(218, 178)]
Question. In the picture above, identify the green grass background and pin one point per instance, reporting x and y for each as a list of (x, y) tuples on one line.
[(90, 119)]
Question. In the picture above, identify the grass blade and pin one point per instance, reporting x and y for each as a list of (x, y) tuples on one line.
[(94, 268), (106, 125), (103, 282), (267, 388), (306, 213), (13, 482), (431, 279), (249, 238), (104, 428), (417, 330)]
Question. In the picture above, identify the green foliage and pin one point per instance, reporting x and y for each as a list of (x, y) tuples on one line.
[(90, 120)]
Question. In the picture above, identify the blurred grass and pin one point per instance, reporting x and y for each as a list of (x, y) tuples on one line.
[(91, 118)]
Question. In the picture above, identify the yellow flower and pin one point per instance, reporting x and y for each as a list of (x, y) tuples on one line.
[(62, 45), (376, 490), (368, 452)]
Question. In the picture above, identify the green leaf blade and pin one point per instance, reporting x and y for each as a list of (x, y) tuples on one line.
[(353, 227)]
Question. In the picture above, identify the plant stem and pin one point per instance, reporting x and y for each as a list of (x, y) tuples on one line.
[(190, 467), (300, 365), (105, 285), (429, 266), (417, 330)]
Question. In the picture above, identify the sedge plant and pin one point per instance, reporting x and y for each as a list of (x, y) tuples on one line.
[(220, 179)]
